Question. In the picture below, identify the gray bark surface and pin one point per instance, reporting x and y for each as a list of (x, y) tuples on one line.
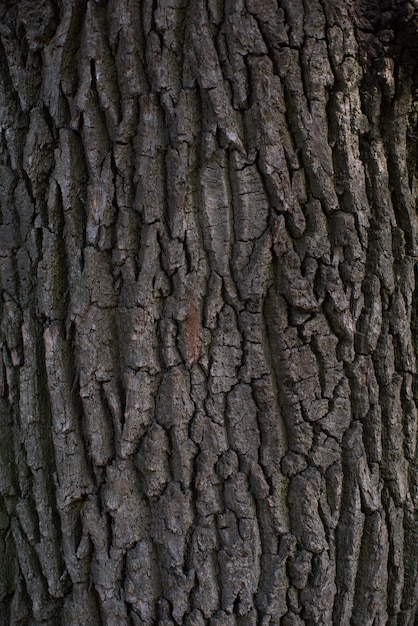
[(208, 249)]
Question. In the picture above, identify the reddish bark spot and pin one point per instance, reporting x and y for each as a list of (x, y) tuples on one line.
[(191, 333), (275, 230), (51, 334)]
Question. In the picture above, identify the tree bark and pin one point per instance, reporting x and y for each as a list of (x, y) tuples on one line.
[(208, 250)]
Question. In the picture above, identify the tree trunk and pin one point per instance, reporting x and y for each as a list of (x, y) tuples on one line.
[(208, 246)]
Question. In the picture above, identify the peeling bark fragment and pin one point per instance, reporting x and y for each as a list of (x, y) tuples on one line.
[(305, 520), (175, 407), (121, 497), (170, 527), (217, 218), (226, 353), (317, 597), (372, 575), (142, 586), (43, 606), (271, 596), (81, 605), (138, 410), (237, 552), (72, 471), (153, 461), (243, 432), (205, 547)]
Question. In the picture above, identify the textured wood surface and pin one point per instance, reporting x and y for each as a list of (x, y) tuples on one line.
[(208, 249)]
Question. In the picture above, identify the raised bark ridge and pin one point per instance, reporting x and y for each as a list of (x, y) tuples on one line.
[(207, 265)]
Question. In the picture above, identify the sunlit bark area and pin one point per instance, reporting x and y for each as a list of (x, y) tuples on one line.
[(208, 244)]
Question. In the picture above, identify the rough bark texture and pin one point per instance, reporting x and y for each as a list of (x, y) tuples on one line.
[(208, 246)]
